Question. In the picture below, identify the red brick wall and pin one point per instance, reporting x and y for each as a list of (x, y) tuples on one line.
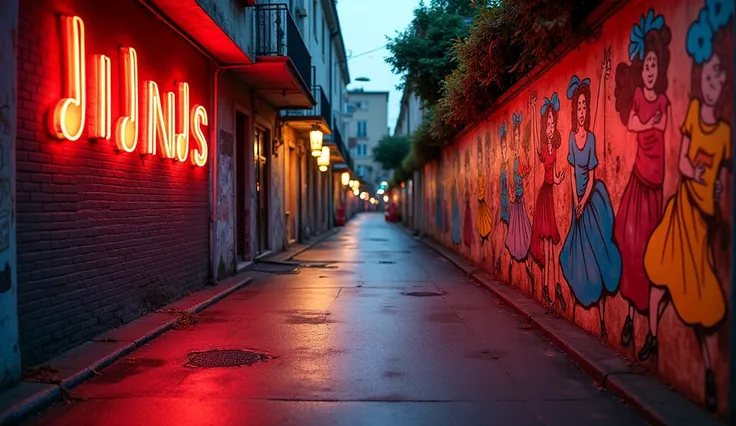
[(103, 236)]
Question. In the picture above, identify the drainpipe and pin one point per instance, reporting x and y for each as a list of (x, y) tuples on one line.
[(213, 162)]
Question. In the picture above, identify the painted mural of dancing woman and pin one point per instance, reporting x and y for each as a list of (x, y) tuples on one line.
[(590, 260), (455, 200), (679, 256), (642, 103), (468, 216), (484, 221), (503, 182), (519, 233), (544, 228)]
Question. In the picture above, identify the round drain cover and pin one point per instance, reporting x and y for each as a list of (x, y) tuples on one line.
[(226, 358), (421, 294)]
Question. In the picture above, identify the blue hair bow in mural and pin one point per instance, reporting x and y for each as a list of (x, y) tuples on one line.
[(638, 33), (715, 14), (554, 103), (502, 130), (516, 118), (575, 82)]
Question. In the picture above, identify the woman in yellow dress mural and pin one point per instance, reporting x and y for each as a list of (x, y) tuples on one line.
[(483, 221), (679, 255)]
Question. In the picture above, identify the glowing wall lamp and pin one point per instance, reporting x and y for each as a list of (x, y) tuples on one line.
[(363, 195), (323, 161), (385, 198), (315, 142), (351, 183), (356, 192), (373, 200), (345, 178)]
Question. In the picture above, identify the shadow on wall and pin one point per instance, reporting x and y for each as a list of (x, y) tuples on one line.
[(605, 192)]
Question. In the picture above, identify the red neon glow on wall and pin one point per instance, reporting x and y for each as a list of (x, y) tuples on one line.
[(167, 124), (182, 135), (69, 114), (102, 127), (157, 126), (199, 119), (127, 128)]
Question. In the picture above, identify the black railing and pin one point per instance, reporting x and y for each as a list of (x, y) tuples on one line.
[(277, 35), (322, 109), (341, 146)]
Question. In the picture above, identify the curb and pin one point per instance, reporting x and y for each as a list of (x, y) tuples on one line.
[(652, 399), (288, 256), (29, 397)]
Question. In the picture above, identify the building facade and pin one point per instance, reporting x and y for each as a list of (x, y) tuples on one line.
[(409, 194), (160, 146), (367, 114)]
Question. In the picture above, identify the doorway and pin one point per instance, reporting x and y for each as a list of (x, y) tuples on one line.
[(292, 192), (260, 151), (241, 183)]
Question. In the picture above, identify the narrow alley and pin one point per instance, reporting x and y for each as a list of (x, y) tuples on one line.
[(344, 344)]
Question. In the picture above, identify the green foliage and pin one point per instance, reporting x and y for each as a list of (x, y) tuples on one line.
[(421, 53), (506, 41), (390, 151)]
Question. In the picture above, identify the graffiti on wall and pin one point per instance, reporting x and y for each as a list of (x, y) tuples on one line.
[(603, 190)]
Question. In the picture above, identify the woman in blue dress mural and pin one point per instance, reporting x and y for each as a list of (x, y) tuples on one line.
[(456, 226), (503, 182), (589, 259)]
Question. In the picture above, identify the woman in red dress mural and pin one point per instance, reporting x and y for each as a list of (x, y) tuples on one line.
[(544, 227), (642, 103)]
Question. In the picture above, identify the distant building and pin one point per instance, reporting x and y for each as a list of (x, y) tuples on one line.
[(367, 114), (411, 114)]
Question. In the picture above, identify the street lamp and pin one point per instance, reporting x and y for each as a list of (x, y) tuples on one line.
[(356, 192), (323, 161), (345, 177), (385, 198), (315, 142)]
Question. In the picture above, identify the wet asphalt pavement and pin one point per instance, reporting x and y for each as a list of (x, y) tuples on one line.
[(351, 349)]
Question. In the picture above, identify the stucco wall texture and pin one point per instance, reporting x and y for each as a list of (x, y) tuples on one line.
[(603, 190)]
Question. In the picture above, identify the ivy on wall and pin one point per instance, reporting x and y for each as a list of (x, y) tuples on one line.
[(459, 72)]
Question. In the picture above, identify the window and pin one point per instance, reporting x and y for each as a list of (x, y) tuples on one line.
[(362, 150), (362, 130), (363, 105), (314, 20), (361, 170)]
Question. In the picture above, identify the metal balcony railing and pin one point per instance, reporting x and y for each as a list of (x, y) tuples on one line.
[(323, 108), (277, 35), (341, 146)]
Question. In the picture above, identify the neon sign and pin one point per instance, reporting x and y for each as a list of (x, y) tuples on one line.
[(166, 121)]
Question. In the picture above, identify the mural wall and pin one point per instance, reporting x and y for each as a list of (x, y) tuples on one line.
[(603, 190)]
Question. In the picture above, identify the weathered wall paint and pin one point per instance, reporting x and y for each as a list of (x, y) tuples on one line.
[(603, 190), (9, 352), (234, 97)]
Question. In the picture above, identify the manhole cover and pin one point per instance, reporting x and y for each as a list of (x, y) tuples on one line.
[(377, 239), (226, 358), (421, 294), (386, 262)]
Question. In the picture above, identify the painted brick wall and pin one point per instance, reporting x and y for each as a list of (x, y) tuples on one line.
[(577, 192), (102, 236)]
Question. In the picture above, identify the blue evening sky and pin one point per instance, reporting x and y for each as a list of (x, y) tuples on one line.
[(365, 25)]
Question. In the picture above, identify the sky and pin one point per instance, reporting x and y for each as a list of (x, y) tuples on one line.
[(365, 25)]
